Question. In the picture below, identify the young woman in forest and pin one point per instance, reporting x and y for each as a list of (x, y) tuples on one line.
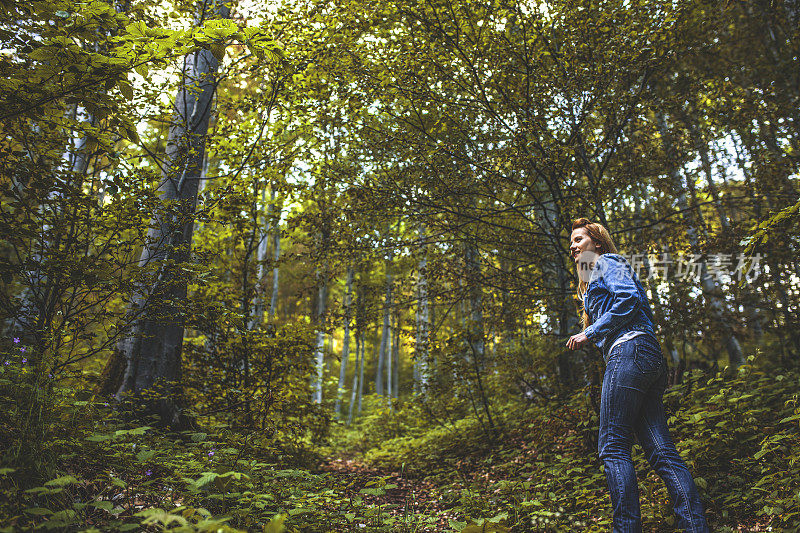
[(618, 320)]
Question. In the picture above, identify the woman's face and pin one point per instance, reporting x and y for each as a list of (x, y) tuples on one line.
[(582, 248)]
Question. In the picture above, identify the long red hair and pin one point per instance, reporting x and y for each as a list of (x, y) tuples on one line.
[(604, 243)]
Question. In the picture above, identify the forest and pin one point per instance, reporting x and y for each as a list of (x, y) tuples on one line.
[(304, 266)]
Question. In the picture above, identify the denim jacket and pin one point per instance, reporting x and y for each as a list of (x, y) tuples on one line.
[(616, 302)]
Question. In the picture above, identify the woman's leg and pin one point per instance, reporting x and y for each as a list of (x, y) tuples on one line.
[(620, 403), (653, 435)]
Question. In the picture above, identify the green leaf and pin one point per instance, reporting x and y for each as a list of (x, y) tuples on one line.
[(65, 514), (219, 28), (487, 527), (126, 89), (131, 134), (499, 518), (458, 526), (235, 475), (276, 524), (104, 505), (206, 478), (218, 50), (38, 511), (61, 481), (145, 455), (137, 29), (44, 491)]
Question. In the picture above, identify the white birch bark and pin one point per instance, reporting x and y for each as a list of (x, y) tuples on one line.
[(257, 316), (161, 319), (276, 255), (319, 352), (421, 352), (345, 342), (711, 290)]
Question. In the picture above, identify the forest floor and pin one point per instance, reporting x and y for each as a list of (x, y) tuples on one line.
[(543, 475), (402, 496), (407, 497), (393, 473)]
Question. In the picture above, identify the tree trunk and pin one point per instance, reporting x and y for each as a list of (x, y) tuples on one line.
[(153, 347), (276, 255), (750, 298), (358, 373), (383, 351), (701, 146), (361, 376), (421, 353), (711, 290), (261, 271), (475, 328), (395, 388), (389, 353), (346, 342), (319, 353), (561, 307), (655, 298)]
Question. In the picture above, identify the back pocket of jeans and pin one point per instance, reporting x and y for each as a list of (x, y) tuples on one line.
[(646, 357)]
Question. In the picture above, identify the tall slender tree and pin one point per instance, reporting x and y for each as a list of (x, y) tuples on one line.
[(340, 389), (152, 350)]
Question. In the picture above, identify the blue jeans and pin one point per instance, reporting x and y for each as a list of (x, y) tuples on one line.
[(633, 384)]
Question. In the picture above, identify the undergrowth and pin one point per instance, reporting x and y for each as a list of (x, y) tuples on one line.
[(100, 473), (738, 431)]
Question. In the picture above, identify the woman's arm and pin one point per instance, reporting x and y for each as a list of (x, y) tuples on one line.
[(618, 279)]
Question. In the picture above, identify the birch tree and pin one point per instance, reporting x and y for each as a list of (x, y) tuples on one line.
[(340, 389), (384, 354), (152, 349), (421, 351), (711, 290), (319, 345)]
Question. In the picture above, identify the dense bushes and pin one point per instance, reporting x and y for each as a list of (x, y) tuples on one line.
[(739, 433), (98, 467), (108, 476), (738, 430)]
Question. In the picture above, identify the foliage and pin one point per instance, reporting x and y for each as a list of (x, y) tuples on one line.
[(113, 477), (738, 433), (437, 151)]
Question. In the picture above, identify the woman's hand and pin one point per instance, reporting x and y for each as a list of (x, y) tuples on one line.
[(577, 341)]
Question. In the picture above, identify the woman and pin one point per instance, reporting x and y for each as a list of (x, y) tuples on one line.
[(618, 320)]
